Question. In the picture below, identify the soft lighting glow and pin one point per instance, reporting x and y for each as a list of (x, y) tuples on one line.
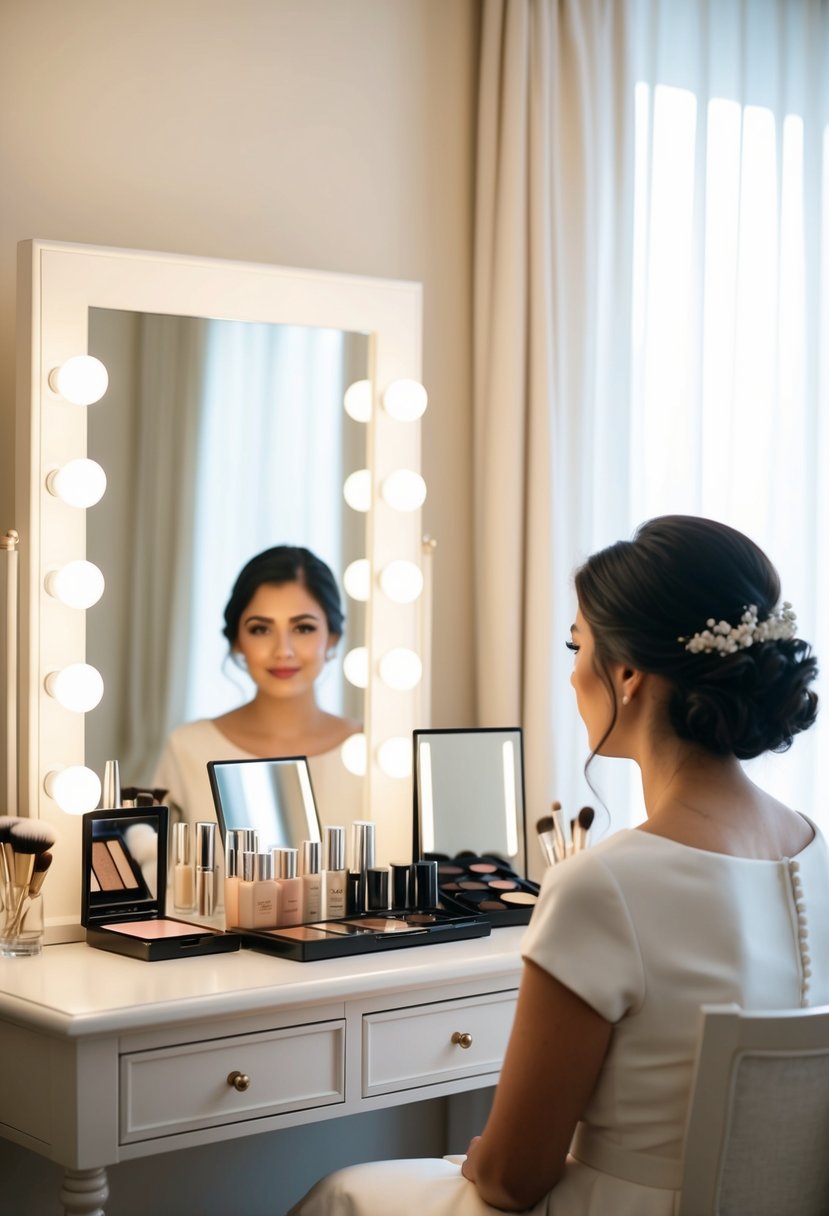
[(395, 756), (81, 380), (354, 754), (80, 483), (357, 400), (78, 687), (510, 806), (76, 789), (357, 579), (427, 811), (405, 400), (357, 490), (401, 669), (402, 581), (404, 490), (355, 667), (78, 584)]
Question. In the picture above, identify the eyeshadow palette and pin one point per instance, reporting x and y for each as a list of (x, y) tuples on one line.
[(469, 785), (486, 885), (366, 933), (123, 887)]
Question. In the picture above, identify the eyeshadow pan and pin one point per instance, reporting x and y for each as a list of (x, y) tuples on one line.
[(105, 868), (503, 884), (450, 886), (122, 862), (483, 867), (473, 886), (519, 897), (491, 905), (446, 868)]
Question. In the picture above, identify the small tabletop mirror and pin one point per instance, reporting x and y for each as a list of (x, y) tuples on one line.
[(274, 797)]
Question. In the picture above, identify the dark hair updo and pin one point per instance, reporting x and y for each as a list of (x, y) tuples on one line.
[(641, 597), (285, 564)]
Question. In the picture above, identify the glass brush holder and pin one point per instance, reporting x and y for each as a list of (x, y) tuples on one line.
[(22, 916)]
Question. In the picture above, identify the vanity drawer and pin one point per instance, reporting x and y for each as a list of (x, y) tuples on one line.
[(423, 1045), (186, 1087)]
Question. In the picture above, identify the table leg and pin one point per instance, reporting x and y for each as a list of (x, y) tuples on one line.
[(84, 1192)]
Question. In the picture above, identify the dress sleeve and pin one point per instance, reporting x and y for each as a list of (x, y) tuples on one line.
[(581, 933)]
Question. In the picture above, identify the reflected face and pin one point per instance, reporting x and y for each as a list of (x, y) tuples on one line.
[(592, 695), (283, 637)]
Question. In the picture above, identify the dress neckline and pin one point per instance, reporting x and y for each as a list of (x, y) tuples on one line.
[(763, 861)]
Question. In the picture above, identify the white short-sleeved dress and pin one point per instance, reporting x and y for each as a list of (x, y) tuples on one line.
[(646, 931)]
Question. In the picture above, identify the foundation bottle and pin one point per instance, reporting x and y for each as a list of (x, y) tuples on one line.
[(333, 874), (289, 888), (258, 893), (231, 880), (184, 876), (311, 881)]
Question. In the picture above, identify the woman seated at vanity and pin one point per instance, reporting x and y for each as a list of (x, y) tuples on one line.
[(283, 621), (685, 663)]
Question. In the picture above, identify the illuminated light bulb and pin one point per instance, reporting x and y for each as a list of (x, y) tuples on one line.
[(81, 380), (395, 756), (357, 579), (405, 400), (355, 667), (79, 483), (401, 669), (402, 581), (76, 789), (354, 754), (78, 584), (357, 401), (404, 490), (78, 687), (357, 490)]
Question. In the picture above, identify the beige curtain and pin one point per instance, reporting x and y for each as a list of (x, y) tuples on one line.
[(552, 302)]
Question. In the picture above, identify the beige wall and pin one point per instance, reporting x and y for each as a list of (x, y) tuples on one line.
[(333, 134)]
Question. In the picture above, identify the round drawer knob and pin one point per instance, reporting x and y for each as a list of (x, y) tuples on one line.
[(462, 1039), (239, 1080)]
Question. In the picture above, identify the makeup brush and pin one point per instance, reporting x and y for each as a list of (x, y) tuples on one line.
[(41, 869), (560, 846), (27, 840), (546, 839), (7, 822), (583, 823)]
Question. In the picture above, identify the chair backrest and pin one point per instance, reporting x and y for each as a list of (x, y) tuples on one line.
[(757, 1139)]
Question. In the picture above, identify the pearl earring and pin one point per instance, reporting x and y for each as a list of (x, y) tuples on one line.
[(626, 699)]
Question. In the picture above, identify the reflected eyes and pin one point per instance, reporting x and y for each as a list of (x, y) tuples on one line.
[(260, 630)]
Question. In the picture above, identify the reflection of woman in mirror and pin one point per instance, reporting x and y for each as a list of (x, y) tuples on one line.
[(283, 621), (686, 663)]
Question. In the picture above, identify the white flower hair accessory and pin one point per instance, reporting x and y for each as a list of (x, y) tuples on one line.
[(725, 638)]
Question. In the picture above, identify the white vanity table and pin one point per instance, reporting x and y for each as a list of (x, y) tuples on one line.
[(108, 1058)]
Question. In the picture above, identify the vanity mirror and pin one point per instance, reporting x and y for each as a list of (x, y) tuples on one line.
[(66, 294)]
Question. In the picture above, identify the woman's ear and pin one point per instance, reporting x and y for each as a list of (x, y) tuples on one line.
[(630, 682)]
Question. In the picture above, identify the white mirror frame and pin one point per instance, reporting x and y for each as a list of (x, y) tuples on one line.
[(57, 285)]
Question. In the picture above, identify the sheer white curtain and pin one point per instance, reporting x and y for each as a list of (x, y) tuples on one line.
[(651, 325)]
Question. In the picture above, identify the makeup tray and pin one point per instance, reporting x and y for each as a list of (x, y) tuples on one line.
[(123, 889), (275, 798), (468, 785)]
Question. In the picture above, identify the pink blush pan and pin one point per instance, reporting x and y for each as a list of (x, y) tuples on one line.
[(153, 930)]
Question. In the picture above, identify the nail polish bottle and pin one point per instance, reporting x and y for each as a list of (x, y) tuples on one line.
[(333, 874), (289, 887), (205, 868), (232, 856), (184, 879), (258, 893), (311, 881)]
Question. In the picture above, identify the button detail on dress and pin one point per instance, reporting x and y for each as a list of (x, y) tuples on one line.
[(802, 929)]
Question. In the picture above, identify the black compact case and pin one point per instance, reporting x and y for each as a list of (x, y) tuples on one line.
[(468, 786), (274, 797), (123, 888)]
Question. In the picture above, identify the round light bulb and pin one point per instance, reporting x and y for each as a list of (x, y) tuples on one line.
[(76, 789), (402, 581), (357, 579), (81, 380), (404, 490), (357, 401), (357, 490), (401, 669), (395, 756), (78, 584), (405, 400), (354, 754), (79, 483), (355, 667), (78, 687)]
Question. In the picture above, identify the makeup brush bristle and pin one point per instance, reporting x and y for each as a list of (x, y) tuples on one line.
[(586, 817), (555, 806), (41, 867), (42, 862), (544, 824), (32, 836), (7, 822)]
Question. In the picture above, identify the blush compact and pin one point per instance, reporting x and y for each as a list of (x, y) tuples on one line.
[(469, 786), (123, 889)]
